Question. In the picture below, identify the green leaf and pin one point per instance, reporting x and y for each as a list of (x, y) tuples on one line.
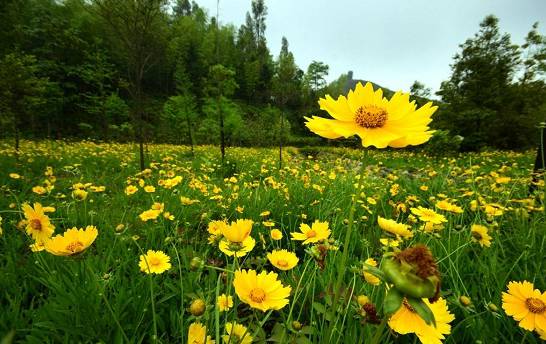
[(393, 301), (422, 309)]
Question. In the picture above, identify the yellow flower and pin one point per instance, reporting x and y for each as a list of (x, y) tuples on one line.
[(362, 300), (276, 234), (131, 189), (150, 214), (73, 241), (318, 232), (445, 205), (261, 291), (377, 121), (216, 227), (197, 334), (389, 242), (79, 194), (149, 188), (154, 262), (480, 235), (393, 227), (236, 334), (370, 278), (225, 302), (428, 215), (188, 201), (168, 216), (239, 249), (265, 213), (38, 224), (237, 231), (37, 246), (526, 305), (405, 320), (14, 176), (282, 259), (268, 223), (40, 190)]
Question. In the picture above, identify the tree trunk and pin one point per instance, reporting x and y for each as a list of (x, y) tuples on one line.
[(222, 135), (190, 135), (280, 139), (540, 162)]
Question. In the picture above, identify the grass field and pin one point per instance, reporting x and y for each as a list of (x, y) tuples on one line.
[(102, 295)]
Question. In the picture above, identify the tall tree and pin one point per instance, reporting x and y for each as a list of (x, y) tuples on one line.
[(138, 26), (316, 73)]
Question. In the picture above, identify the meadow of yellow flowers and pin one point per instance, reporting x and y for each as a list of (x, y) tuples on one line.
[(339, 246)]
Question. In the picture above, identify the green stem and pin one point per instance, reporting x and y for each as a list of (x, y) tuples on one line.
[(154, 320), (378, 334), (181, 293), (346, 242)]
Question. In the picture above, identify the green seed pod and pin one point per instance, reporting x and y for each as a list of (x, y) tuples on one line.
[(407, 282)]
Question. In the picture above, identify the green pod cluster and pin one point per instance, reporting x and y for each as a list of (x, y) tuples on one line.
[(407, 282)]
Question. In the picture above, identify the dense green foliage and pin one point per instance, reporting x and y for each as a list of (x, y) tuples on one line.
[(106, 69)]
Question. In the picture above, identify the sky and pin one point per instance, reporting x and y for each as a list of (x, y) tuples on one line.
[(389, 42)]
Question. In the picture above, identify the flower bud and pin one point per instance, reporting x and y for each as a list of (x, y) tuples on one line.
[(197, 307), (465, 300), (296, 325)]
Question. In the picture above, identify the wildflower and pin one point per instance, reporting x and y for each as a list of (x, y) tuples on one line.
[(197, 334), (526, 305), (428, 215), (265, 213), (362, 300), (38, 246), (406, 320), (377, 121), (225, 302), (276, 234), (79, 194), (38, 224), (149, 188), (237, 231), (168, 216), (318, 232), (445, 205), (14, 176), (154, 262), (237, 249), (73, 241), (370, 278), (282, 259), (188, 201), (393, 227), (261, 291), (389, 242), (268, 223), (465, 300), (480, 235), (131, 189), (150, 214), (236, 333), (40, 190), (197, 307)]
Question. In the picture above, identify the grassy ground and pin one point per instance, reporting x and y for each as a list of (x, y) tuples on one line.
[(102, 296)]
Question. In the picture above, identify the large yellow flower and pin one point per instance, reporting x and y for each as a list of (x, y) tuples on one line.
[(73, 241), (526, 305), (262, 291), (393, 227), (318, 232), (428, 215), (197, 334), (237, 231), (154, 262), (239, 249), (236, 334), (377, 121), (282, 259), (405, 320), (38, 224), (480, 234)]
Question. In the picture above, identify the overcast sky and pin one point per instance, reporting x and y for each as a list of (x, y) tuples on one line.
[(390, 42)]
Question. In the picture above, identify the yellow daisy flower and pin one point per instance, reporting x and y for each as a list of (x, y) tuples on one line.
[(149, 188), (237, 231), (480, 235), (72, 241), (526, 305), (428, 215), (405, 320), (237, 249), (276, 234), (370, 278), (282, 259), (236, 334), (154, 262), (131, 189), (38, 224), (445, 205), (150, 214), (318, 232), (261, 291), (224, 302), (393, 227), (377, 121), (197, 334)]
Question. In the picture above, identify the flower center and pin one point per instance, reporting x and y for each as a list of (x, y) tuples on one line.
[(74, 246), (535, 305), (311, 234), (36, 224), (282, 263), (477, 236), (257, 295), (370, 116), (154, 261)]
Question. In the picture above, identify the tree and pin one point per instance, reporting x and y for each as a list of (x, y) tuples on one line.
[(316, 73), (221, 85), (21, 91), (179, 112), (137, 24), (420, 90)]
